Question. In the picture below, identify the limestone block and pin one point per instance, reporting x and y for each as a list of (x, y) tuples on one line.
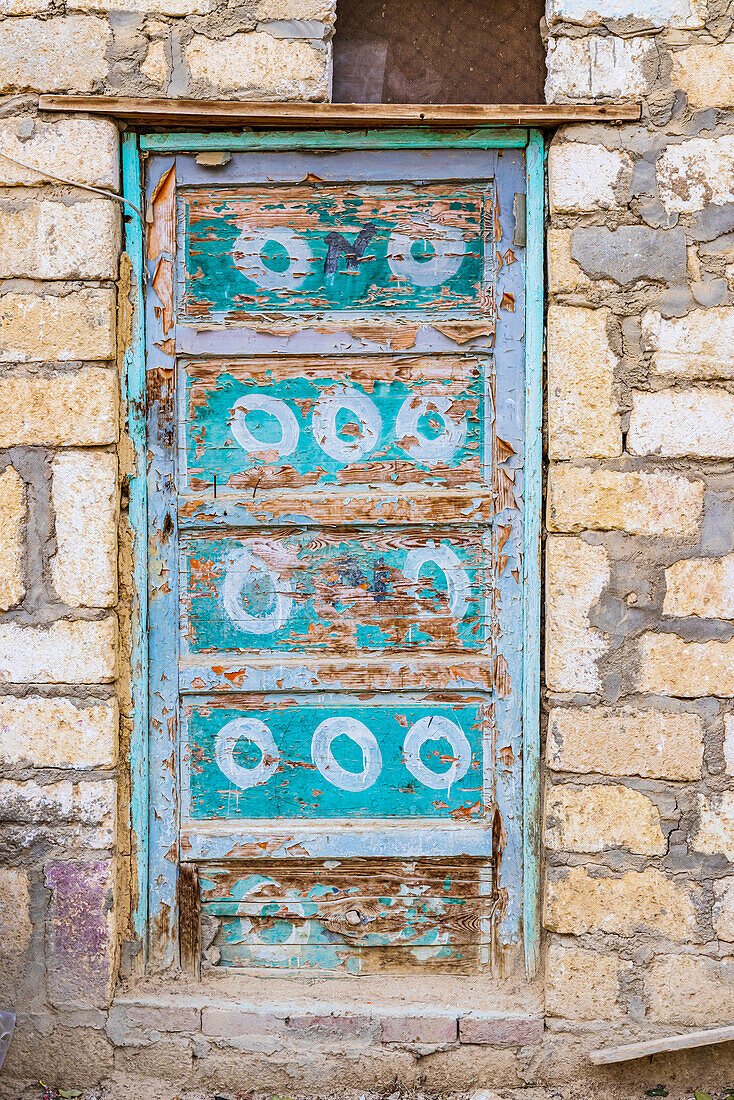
[(155, 67), (255, 63), (586, 68), (564, 274), (696, 422), (66, 652), (38, 328), (699, 345), (44, 239), (723, 913), (729, 743), (323, 10), (80, 932), (58, 732), (15, 920), (705, 74), (81, 149), (660, 13), (653, 744), (71, 59), (584, 177), (715, 834), (690, 989), (175, 8), (658, 504), (595, 818), (84, 496), (583, 421), (576, 575), (60, 407), (637, 900), (12, 519), (670, 666), (91, 803), (691, 174), (700, 586), (23, 7), (631, 253), (581, 985)]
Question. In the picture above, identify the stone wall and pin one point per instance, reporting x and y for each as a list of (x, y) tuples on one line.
[(639, 556), (640, 517)]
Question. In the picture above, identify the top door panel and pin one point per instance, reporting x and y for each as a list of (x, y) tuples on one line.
[(317, 249)]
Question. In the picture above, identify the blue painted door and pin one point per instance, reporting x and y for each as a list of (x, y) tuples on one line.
[(336, 378)]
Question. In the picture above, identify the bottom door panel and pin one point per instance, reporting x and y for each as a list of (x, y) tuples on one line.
[(258, 757), (352, 916)]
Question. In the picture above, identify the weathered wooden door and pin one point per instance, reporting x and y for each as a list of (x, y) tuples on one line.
[(336, 418)]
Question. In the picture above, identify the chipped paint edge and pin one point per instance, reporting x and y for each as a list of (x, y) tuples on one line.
[(134, 366), (534, 313)]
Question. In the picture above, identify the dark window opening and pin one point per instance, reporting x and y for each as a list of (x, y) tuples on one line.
[(438, 51)]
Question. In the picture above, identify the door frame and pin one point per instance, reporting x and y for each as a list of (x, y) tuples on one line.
[(154, 901)]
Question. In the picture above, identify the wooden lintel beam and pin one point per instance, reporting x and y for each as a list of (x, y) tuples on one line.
[(202, 112), (646, 1047)]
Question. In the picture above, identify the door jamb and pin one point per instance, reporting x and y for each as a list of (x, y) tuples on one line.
[(134, 366)]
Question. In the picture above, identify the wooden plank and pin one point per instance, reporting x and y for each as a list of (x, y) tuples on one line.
[(531, 552), (337, 961), (134, 368), (348, 422), (278, 115), (630, 1051), (400, 672), (189, 920), (333, 591), (332, 757), (317, 248), (163, 566), (331, 141)]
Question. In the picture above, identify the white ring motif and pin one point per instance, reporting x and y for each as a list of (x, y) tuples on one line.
[(244, 567), (255, 402), (323, 757), (247, 255), (434, 728), (252, 729), (449, 250), (457, 581), (324, 424), (424, 449)]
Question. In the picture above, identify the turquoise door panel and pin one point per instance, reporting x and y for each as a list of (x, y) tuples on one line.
[(315, 248), (338, 758), (318, 422), (328, 590)]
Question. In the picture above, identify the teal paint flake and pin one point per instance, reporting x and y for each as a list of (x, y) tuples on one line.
[(318, 592), (213, 452), (298, 789), (247, 251)]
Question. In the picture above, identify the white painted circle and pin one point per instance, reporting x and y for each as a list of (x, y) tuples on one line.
[(424, 449), (433, 728), (449, 249), (252, 729), (323, 757), (255, 402), (249, 567), (457, 580), (324, 424), (247, 255)]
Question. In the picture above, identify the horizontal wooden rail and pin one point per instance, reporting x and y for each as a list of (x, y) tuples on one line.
[(159, 112), (646, 1047)]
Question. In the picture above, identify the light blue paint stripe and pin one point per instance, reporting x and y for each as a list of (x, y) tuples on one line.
[(413, 138), (531, 556), (134, 366)]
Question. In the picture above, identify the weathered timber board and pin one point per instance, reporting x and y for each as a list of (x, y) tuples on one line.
[(319, 248), (322, 421), (334, 757), (334, 591), (352, 916)]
